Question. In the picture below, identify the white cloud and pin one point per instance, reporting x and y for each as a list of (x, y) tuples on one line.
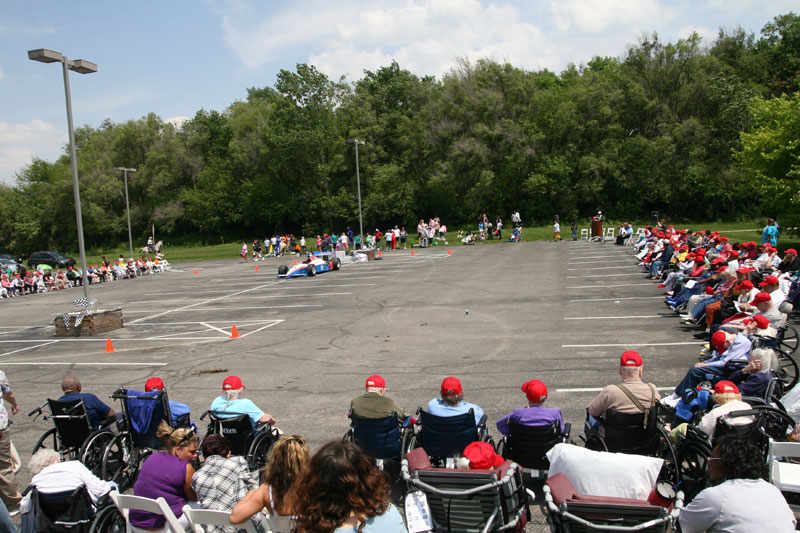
[(1, 73), (19, 142), (708, 35), (600, 16)]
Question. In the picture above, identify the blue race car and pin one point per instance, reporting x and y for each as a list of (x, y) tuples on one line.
[(318, 262)]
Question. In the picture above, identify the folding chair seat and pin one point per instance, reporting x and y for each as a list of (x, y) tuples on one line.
[(784, 470), (528, 445), (199, 517), (584, 233), (445, 437), (467, 501), (126, 503)]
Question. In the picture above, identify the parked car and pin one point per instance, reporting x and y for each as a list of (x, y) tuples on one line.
[(7, 260), (52, 258)]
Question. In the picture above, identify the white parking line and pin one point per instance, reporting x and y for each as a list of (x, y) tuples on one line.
[(615, 317), (600, 261), (603, 275), (264, 296), (55, 363), (634, 344), (598, 389), (615, 299), (609, 286), (599, 268), (28, 348)]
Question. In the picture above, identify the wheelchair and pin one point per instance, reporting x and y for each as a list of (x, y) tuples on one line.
[(382, 438), (72, 436), (252, 444), (444, 438), (142, 412), (635, 433), (528, 445), (70, 511)]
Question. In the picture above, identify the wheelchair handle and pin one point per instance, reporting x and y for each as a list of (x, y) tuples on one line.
[(37, 411), (204, 415)]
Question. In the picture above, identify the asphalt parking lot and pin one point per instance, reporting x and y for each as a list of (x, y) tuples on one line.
[(562, 312)]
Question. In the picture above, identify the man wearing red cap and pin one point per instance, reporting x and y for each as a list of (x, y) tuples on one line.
[(772, 286), (763, 306), (728, 348), (180, 412), (230, 402), (789, 263), (618, 398), (452, 401), (535, 414), (374, 403)]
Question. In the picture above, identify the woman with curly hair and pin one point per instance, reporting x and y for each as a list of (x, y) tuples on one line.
[(288, 460), (740, 501), (343, 492)]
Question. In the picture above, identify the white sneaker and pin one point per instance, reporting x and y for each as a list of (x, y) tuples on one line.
[(670, 401)]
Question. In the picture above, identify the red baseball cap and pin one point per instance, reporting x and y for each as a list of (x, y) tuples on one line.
[(790, 251), (768, 280), (718, 340), (761, 297), (451, 386), (376, 381), (482, 456), (761, 321), (153, 383), (746, 284), (710, 290), (535, 390), (723, 387), (232, 383), (630, 358)]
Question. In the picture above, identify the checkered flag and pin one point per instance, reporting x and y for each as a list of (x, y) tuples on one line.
[(78, 320), (80, 302), (65, 318)]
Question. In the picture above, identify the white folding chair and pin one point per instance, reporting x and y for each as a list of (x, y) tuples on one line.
[(640, 231), (610, 236), (198, 517), (784, 475), (584, 233), (158, 506)]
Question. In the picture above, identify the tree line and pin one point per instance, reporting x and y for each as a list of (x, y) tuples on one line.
[(694, 131)]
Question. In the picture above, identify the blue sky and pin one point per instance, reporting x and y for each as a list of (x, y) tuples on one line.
[(175, 57)]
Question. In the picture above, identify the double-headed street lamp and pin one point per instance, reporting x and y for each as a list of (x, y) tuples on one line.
[(127, 205), (356, 142), (81, 66)]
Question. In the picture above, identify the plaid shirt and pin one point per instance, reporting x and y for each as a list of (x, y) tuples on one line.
[(222, 483)]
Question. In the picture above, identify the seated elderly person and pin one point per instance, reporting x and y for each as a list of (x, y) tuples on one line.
[(51, 475), (223, 481), (762, 305), (754, 379), (374, 403), (479, 456), (728, 348), (740, 499), (452, 401), (727, 399), (535, 414), (98, 411), (179, 411), (230, 402)]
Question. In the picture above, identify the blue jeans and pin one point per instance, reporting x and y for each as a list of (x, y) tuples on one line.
[(697, 374), (700, 308), (6, 525), (654, 266)]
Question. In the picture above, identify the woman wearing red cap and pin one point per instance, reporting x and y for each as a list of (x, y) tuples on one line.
[(727, 399), (452, 401)]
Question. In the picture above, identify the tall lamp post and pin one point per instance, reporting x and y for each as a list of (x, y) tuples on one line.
[(81, 66), (127, 205), (356, 142)]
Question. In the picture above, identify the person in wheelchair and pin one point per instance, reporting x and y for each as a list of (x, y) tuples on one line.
[(180, 412), (535, 414), (729, 349), (479, 456), (740, 500), (452, 401), (230, 402), (753, 379), (99, 413), (727, 399), (623, 398), (52, 476), (374, 403)]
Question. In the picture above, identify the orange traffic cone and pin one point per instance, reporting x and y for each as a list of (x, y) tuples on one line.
[(295, 260), (256, 268), (412, 253), (195, 271), (234, 333), (449, 252), (380, 253), (109, 346)]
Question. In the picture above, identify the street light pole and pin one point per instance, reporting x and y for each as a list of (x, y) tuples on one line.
[(127, 205), (356, 142), (82, 67)]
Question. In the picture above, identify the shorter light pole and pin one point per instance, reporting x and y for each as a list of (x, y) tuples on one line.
[(127, 205), (356, 142)]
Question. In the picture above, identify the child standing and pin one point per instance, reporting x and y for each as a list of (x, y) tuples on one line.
[(243, 253), (556, 231)]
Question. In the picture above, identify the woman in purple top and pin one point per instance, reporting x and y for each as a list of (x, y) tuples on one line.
[(168, 474), (535, 414)]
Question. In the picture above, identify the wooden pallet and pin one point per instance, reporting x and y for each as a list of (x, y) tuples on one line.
[(93, 324)]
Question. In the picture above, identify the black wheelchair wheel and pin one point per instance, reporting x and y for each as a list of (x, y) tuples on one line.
[(693, 456), (109, 519), (120, 462), (259, 450), (596, 443), (666, 451), (777, 424), (48, 440), (788, 339), (349, 436), (788, 372), (93, 449)]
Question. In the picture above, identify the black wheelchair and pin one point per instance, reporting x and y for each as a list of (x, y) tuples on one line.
[(444, 438), (70, 511), (142, 412), (251, 443), (382, 438), (635, 433), (528, 445), (72, 436)]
